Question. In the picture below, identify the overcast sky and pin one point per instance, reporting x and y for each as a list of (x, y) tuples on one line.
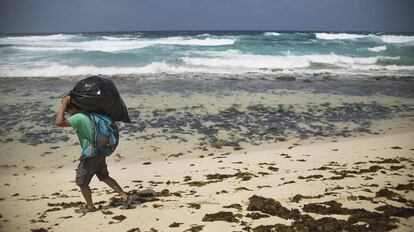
[(25, 16)]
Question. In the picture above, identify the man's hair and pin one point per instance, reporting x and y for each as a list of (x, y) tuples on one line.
[(74, 106)]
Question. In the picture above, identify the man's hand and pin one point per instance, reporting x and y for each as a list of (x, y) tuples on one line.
[(66, 100), (60, 116)]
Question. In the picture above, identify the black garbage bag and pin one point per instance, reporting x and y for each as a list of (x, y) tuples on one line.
[(100, 95)]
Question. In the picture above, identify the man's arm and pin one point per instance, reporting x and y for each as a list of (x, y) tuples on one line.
[(60, 116)]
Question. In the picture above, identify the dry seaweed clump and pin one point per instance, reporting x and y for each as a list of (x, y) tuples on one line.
[(272, 207), (195, 228), (245, 176), (307, 224), (373, 221), (359, 219), (220, 216)]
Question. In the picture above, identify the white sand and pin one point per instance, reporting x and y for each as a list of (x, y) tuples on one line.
[(33, 184)]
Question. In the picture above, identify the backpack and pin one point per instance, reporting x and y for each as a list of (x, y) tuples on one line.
[(106, 134)]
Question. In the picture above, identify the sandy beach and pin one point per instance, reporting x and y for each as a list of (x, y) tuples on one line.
[(256, 155)]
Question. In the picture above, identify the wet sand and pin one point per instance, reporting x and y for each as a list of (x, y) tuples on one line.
[(328, 153)]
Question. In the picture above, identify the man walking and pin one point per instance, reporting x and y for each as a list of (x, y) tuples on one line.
[(91, 163)]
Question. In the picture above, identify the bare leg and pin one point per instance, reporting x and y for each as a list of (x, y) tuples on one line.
[(115, 186), (87, 194)]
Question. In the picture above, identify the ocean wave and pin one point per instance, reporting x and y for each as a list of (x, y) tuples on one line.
[(163, 67), (382, 67), (124, 37), (397, 39), (271, 34), (65, 70), (35, 38), (205, 34), (236, 60), (378, 49), (114, 44), (339, 36)]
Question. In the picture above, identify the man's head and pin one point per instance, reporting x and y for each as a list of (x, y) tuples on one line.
[(72, 108)]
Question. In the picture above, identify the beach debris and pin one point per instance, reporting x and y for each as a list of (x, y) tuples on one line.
[(194, 205), (136, 229), (406, 187), (39, 230), (120, 218), (288, 182), (274, 169), (234, 206), (384, 192), (137, 197), (391, 210), (220, 216), (195, 228), (257, 215), (271, 207), (245, 176), (298, 197), (107, 212), (317, 176), (175, 224), (200, 183), (66, 205)]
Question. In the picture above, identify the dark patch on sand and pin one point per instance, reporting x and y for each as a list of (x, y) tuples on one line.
[(220, 216), (175, 225)]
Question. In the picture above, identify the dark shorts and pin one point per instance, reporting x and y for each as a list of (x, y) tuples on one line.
[(87, 168)]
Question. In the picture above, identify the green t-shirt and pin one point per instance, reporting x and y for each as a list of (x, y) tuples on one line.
[(85, 130)]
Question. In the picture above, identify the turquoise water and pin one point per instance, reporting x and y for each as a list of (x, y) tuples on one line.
[(222, 53)]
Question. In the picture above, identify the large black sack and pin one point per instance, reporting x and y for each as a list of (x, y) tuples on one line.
[(100, 95)]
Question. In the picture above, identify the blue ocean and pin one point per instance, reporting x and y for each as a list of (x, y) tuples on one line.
[(302, 54)]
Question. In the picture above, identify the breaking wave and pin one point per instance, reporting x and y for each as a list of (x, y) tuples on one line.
[(338, 36), (108, 44), (378, 49)]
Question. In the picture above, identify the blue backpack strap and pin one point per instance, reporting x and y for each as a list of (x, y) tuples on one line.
[(92, 144)]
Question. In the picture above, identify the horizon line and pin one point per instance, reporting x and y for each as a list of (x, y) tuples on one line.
[(247, 30)]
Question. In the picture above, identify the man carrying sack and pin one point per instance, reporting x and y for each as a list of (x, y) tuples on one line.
[(91, 161)]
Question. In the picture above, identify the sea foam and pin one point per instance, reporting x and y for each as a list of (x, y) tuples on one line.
[(338, 36), (110, 44), (234, 60), (271, 34), (378, 49), (397, 39)]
